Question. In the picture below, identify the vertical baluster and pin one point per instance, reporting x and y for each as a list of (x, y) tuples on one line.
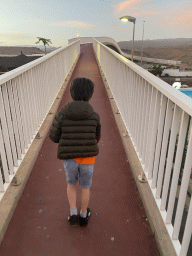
[(140, 131), (15, 119), (146, 122), (5, 134), (3, 159), (34, 100), (53, 88), (143, 114), (164, 147), (22, 107), (139, 102), (19, 114), (1, 178), (128, 101), (154, 126), (124, 92), (159, 140), (9, 113), (132, 104), (177, 165), (117, 87), (134, 109), (25, 102), (44, 87), (169, 165), (40, 88), (187, 232), (137, 107), (59, 66), (28, 106), (183, 189), (146, 119), (32, 104), (22, 98)]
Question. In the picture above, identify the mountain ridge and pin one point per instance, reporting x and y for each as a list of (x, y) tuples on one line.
[(16, 50), (169, 49), (157, 43)]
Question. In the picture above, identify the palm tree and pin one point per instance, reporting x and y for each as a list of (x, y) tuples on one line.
[(44, 41), (156, 70)]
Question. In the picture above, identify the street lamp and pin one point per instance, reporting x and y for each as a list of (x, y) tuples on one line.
[(142, 43), (130, 19)]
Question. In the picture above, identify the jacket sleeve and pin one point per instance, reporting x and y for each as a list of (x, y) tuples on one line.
[(98, 130), (55, 132)]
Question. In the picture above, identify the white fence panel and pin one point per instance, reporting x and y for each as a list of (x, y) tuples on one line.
[(157, 119), (26, 95)]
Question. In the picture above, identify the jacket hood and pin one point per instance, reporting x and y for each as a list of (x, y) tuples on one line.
[(77, 110)]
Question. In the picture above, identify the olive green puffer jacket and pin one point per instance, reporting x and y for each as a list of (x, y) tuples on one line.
[(77, 130)]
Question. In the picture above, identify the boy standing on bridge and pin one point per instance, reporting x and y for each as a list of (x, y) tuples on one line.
[(77, 130)]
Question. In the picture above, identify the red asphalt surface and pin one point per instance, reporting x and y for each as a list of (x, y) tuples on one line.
[(118, 224)]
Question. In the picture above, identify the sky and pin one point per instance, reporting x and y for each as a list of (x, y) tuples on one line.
[(22, 21)]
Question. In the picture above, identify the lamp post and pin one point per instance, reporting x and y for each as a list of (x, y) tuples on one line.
[(130, 19), (142, 43)]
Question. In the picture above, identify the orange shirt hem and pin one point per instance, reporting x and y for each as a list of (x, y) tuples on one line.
[(85, 160)]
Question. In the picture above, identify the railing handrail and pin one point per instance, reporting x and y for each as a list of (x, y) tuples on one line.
[(173, 94), (17, 71)]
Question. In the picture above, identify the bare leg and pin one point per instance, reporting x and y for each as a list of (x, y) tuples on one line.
[(71, 193), (85, 196)]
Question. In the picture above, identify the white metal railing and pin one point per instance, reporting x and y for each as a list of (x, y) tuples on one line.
[(156, 117), (26, 95)]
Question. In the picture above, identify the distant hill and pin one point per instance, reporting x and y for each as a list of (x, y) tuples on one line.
[(158, 43), (27, 50), (169, 49), (49, 48)]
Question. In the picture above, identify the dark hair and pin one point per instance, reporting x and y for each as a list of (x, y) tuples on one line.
[(81, 89)]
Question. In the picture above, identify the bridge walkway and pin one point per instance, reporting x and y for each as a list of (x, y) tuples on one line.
[(118, 224)]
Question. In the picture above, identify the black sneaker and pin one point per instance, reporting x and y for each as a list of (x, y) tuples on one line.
[(84, 221), (73, 220)]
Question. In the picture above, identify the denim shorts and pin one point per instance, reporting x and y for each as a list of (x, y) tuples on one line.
[(75, 171)]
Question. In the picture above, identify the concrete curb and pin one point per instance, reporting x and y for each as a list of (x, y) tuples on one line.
[(11, 197), (157, 225)]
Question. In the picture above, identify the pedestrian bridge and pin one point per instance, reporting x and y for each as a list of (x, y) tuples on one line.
[(140, 201), (110, 42)]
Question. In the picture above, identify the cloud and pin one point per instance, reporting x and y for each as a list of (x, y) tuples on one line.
[(14, 36), (179, 18), (74, 24), (169, 15), (145, 12), (123, 29), (125, 5)]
